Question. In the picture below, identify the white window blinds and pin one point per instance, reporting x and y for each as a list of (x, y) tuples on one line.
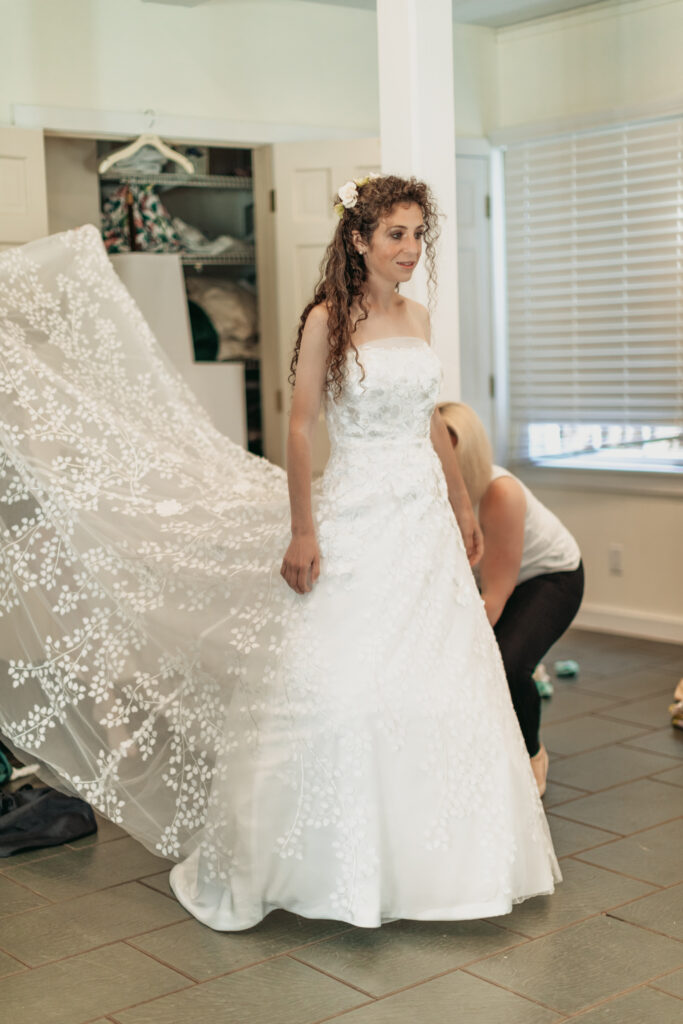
[(594, 227)]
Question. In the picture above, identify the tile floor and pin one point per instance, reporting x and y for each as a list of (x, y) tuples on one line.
[(90, 932)]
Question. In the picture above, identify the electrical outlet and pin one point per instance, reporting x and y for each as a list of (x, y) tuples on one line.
[(615, 555)]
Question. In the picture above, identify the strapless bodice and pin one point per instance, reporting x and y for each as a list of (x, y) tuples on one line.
[(389, 393)]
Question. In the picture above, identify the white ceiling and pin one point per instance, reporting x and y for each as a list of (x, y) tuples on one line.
[(494, 13)]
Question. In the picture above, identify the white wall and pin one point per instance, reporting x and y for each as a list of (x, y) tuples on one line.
[(285, 62), (607, 57), (593, 64), (647, 598)]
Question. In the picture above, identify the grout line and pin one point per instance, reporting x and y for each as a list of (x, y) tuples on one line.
[(675, 759), (666, 782), (622, 874), (640, 831), (508, 928), (71, 898), (235, 970), (526, 939), (663, 990), (569, 755), (83, 952), (607, 789), (21, 966), (657, 886), (609, 999), (520, 995), (162, 963), (333, 977), (143, 1002), (643, 927), (606, 912)]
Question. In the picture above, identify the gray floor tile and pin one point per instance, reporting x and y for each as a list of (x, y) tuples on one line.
[(87, 986), (569, 703), (662, 912), (584, 733), (455, 997), (382, 960), (203, 953), (64, 929), (556, 794), (611, 654), (644, 682), (650, 711), (571, 837), (595, 662), (574, 968), (644, 1006), (77, 872), (584, 891), (665, 741), (624, 809), (671, 775), (8, 965), (654, 855), (15, 898), (278, 992), (159, 882), (29, 856), (672, 983), (598, 769)]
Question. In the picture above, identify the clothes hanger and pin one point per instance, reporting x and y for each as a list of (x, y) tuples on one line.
[(147, 139)]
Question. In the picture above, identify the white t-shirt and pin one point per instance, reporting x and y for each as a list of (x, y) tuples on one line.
[(548, 544)]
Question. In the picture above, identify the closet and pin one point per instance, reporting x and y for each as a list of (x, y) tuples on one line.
[(204, 212)]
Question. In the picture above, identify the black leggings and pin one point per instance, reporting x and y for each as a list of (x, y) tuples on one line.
[(536, 614)]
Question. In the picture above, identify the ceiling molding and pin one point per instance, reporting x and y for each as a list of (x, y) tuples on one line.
[(177, 3), (491, 13)]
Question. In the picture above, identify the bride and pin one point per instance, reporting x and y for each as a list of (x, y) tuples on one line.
[(338, 742)]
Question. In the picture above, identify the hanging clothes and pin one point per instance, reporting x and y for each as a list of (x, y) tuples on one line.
[(138, 207)]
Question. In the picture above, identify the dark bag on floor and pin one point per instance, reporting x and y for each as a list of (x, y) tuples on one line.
[(31, 818)]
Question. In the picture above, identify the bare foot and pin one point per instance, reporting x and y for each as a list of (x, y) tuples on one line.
[(539, 764)]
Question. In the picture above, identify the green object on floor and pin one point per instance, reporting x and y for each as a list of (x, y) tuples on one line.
[(566, 668), (545, 688), (544, 684), (5, 769)]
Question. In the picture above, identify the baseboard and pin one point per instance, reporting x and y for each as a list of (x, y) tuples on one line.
[(625, 622)]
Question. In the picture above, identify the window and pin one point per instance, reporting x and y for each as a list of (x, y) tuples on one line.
[(594, 237)]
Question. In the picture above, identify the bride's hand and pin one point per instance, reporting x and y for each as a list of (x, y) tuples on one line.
[(301, 564), (472, 536)]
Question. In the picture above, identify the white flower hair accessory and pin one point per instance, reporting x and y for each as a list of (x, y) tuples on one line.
[(348, 193)]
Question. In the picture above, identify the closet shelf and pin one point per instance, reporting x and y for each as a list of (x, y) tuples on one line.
[(237, 258), (227, 181)]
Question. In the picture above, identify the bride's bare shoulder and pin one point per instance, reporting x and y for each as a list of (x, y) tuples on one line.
[(420, 316), (318, 317), (315, 333)]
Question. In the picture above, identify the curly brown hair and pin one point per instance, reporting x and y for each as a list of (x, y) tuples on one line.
[(343, 272)]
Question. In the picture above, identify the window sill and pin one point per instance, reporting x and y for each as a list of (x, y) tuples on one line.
[(616, 480)]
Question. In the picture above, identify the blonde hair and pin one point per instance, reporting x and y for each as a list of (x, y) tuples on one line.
[(475, 456)]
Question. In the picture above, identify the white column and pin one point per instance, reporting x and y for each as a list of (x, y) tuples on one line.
[(417, 134)]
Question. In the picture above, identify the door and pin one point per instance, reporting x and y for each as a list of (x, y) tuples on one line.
[(304, 178), (23, 191), (474, 283)]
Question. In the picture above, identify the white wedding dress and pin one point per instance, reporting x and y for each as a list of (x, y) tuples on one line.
[(352, 753)]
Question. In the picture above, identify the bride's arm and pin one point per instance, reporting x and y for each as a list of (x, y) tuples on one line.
[(301, 563), (457, 492)]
